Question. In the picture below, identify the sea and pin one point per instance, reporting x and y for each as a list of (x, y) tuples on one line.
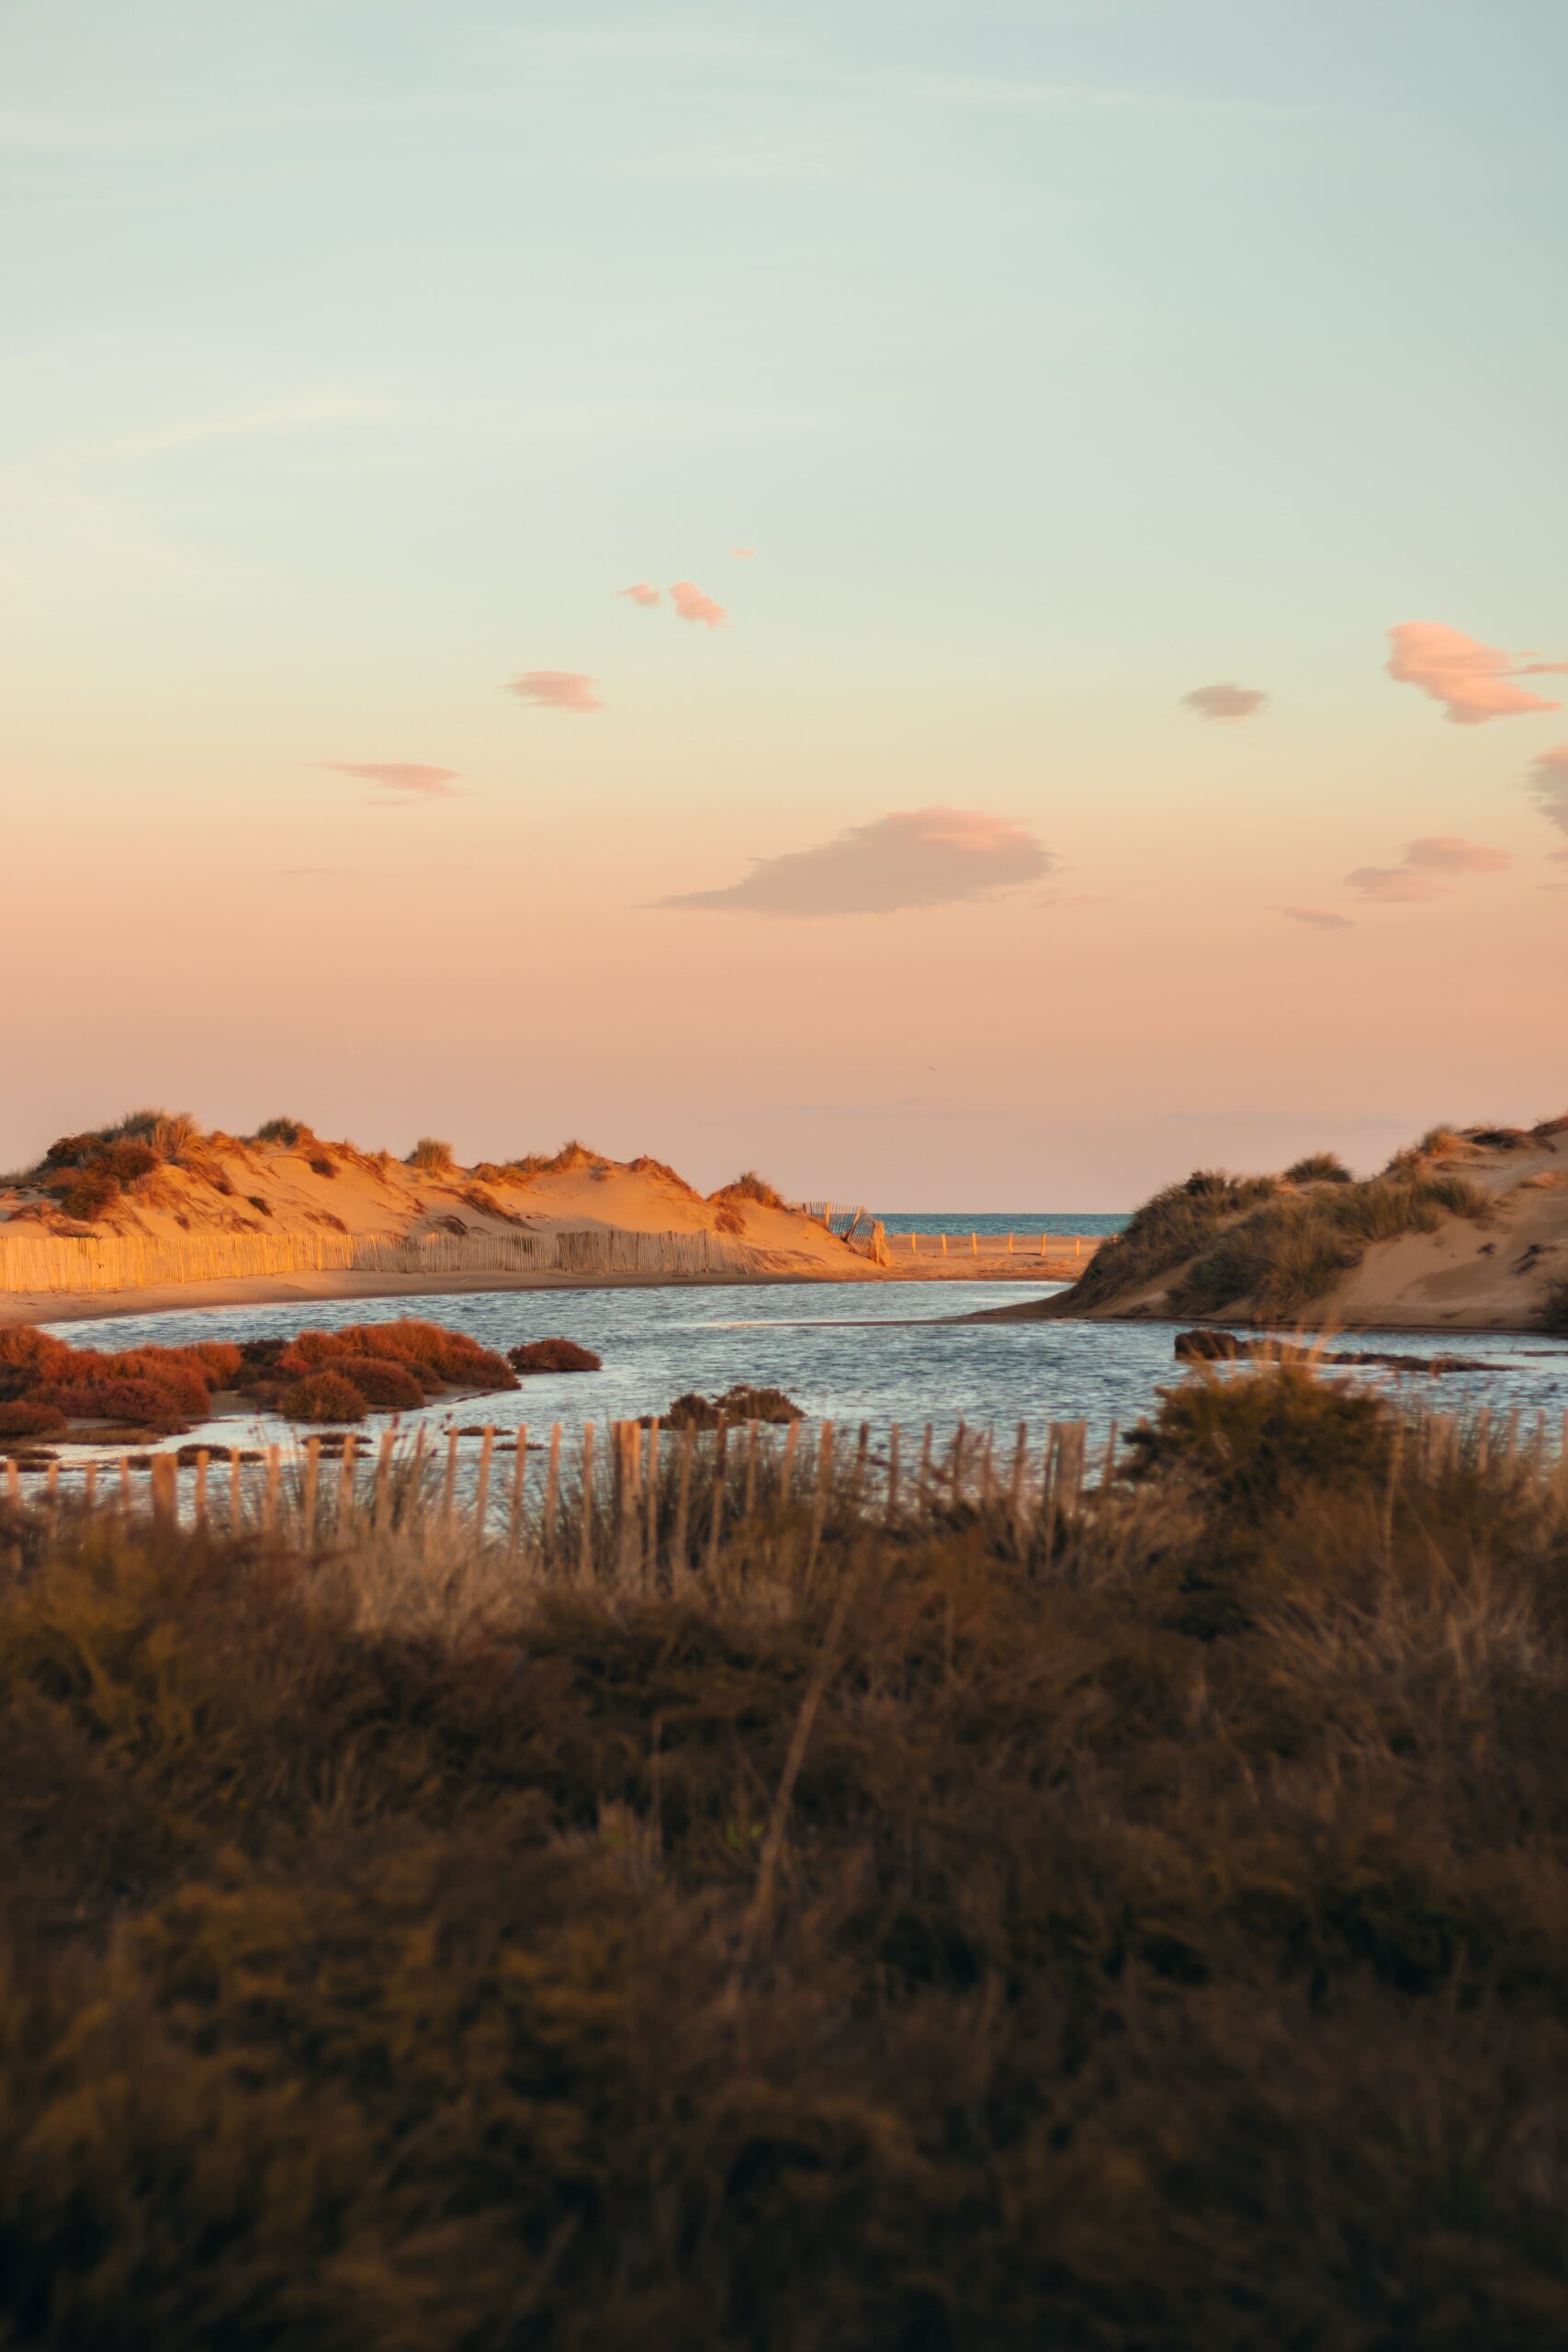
[(1002, 1222)]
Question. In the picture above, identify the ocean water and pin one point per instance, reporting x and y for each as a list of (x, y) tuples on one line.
[(1002, 1221), (847, 1351)]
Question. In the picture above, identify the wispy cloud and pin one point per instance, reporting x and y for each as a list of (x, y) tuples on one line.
[(915, 857), (743, 555), (642, 592), (1317, 918), (1473, 681), (691, 605), (1225, 701), (1427, 865), (398, 776), (1549, 784), (556, 690)]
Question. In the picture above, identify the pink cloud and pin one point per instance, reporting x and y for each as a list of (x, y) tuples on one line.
[(743, 555), (642, 592), (1427, 864), (1549, 783), (1318, 918), (398, 775), (1471, 680), (915, 857), (556, 690), (1224, 702), (693, 605)]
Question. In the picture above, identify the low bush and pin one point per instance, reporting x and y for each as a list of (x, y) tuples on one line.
[(386, 1386), (319, 1165), (750, 1186), (553, 1355), (323, 1397), (431, 1157), (1554, 1311), (144, 1404), (92, 1194), (1319, 1167), (1174, 1225), (737, 1405), (286, 1132), (20, 1417)]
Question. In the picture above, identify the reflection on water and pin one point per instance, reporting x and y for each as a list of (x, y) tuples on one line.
[(842, 1351)]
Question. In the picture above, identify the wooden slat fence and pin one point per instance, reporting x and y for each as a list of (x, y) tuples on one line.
[(115, 1262), (640, 1502)]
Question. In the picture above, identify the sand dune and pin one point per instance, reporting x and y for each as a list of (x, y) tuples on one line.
[(1503, 1267), (130, 1223)]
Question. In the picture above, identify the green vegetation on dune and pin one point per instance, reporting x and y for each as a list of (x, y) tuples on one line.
[(1271, 1244), (1289, 1252), (1171, 1227), (1147, 1930)]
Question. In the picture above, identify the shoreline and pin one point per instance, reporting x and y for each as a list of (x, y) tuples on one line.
[(281, 1290)]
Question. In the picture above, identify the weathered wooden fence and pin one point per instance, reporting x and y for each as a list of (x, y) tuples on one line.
[(113, 1263), (635, 1498)]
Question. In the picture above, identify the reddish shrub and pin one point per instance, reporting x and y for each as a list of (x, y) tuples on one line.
[(69, 1151), (147, 1403), (323, 1397), (450, 1354), (386, 1386), (309, 1350), (553, 1355), (94, 1193), (126, 1162), (34, 1351), (165, 1369), (219, 1358), (21, 1418)]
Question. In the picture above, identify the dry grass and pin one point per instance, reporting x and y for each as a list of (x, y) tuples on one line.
[(1177, 1224), (1288, 1253), (750, 1186), (1132, 1934), (431, 1157)]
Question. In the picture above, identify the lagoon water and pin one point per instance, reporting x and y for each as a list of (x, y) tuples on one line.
[(849, 1352)]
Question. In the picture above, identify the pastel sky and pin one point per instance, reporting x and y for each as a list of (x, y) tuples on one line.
[(966, 604)]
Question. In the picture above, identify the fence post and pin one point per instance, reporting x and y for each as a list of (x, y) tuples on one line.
[(824, 1490), (236, 1493), (199, 1504), (90, 1483), (519, 1473), (13, 1484), (683, 1498), (552, 1494), (974, 1244), (52, 1495), (274, 1474), (165, 1501), (786, 1467), (651, 1539), (585, 1545), (753, 1439), (345, 1482), (863, 1450), (893, 1473), (715, 1518), (308, 1506), (449, 1485), (944, 1244), (481, 1496), (382, 1506), (125, 1484), (1020, 1473)]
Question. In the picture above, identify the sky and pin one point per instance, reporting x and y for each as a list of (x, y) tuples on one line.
[(964, 604)]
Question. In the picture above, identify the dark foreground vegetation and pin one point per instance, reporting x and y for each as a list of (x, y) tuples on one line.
[(1143, 1930)]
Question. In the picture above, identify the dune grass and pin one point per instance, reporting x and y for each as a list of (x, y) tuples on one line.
[(1174, 1226), (1290, 1251), (1143, 1931)]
